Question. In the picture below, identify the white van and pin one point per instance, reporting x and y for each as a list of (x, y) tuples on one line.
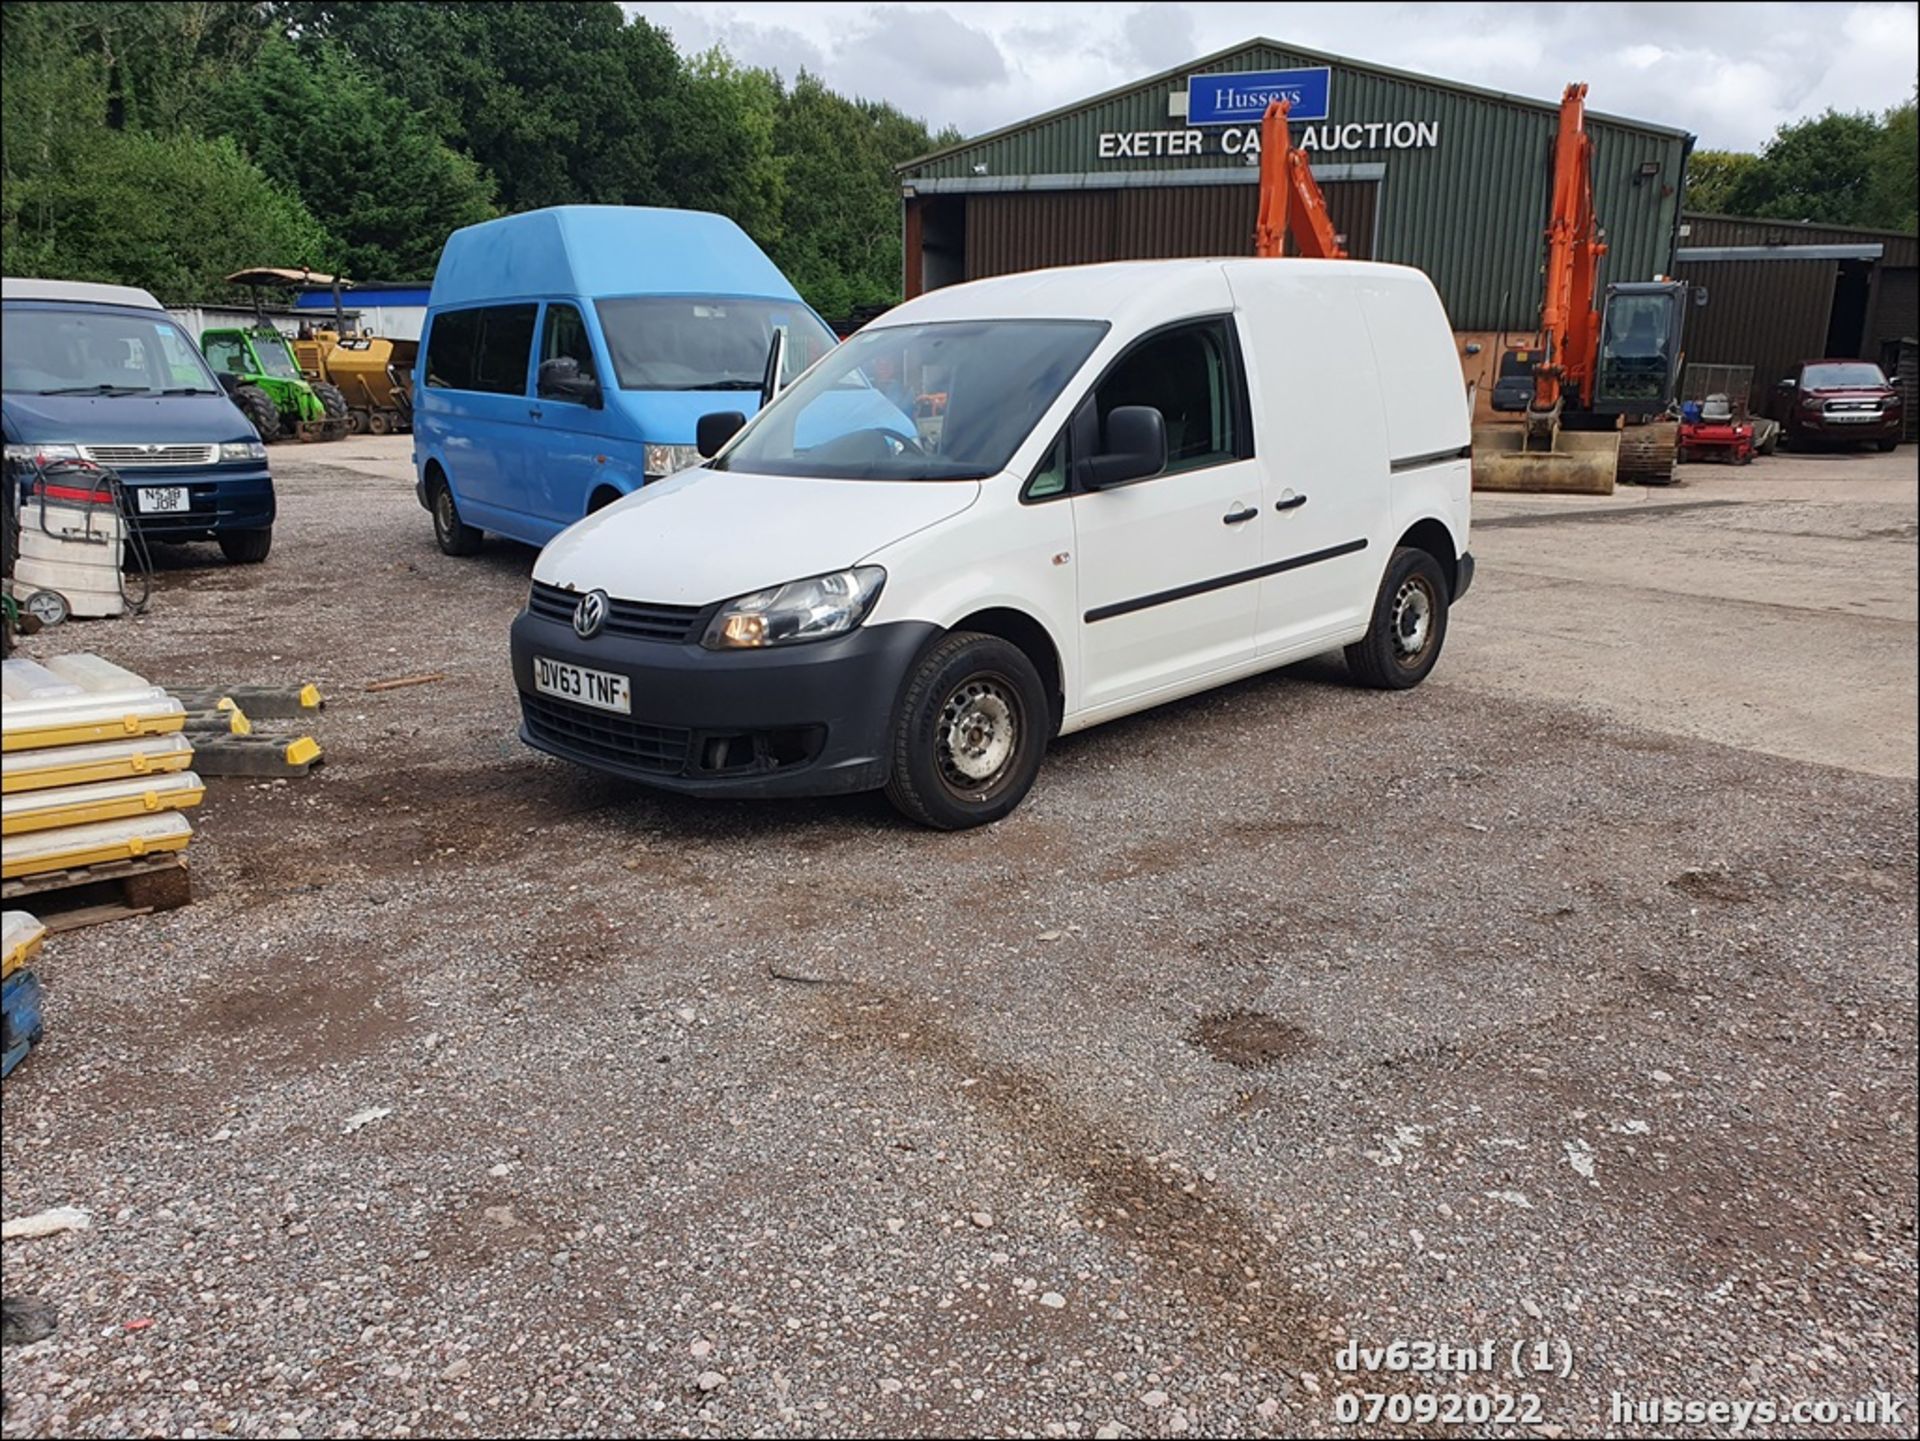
[(1106, 487)]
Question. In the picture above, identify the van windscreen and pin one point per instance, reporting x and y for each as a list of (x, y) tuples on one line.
[(948, 400), (691, 342), (91, 350)]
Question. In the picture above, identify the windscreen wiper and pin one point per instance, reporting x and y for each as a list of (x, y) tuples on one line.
[(191, 390), (99, 390)]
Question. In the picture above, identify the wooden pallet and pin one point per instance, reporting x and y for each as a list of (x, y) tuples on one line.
[(114, 890)]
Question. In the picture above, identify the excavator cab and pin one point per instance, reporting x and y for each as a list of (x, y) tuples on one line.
[(1638, 372)]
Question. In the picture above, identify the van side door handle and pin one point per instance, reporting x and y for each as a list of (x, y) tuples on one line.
[(1292, 502), (1238, 517), (535, 411)]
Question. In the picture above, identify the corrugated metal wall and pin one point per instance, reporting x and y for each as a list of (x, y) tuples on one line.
[(1770, 314), (1032, 229), (1470, 211)]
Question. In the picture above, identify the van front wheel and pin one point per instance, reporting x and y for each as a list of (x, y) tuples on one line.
[(968, 734), (1409, 624), (454, 535)]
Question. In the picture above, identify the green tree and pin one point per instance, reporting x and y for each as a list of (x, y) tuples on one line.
[(386, 188), (561, 103), (1819, 169), (93, 216), (1712, 176), (840, 240), (1893, 191)]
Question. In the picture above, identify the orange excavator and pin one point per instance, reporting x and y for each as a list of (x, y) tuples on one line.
[(1290, 199), (1596, 388)]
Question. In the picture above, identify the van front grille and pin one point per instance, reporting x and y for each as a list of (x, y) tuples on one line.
[(634, 619), (591, 735), (133, 457)]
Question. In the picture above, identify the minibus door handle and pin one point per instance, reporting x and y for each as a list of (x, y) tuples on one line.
[(535, 411), (1238, 517), (1291, 502)]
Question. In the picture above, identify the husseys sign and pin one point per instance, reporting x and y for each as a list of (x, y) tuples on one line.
[(1224, 112)]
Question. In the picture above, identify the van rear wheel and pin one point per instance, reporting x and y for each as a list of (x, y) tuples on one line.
[(454, 535), (969, 733), (1409, 624)]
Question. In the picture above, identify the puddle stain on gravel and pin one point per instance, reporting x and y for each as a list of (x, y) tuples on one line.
[(1251, 1040)]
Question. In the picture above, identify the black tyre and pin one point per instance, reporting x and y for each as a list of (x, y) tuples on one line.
[(1409, 624), (356, 422), (332, 400), (968, 734), (258, 407), (454, 535), (1888, 444), (378, 423), (246, 547)]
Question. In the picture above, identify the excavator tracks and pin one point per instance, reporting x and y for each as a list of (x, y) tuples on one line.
[(1647, 453)]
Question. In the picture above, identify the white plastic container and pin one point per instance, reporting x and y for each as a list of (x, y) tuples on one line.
[(101, 801), (74, 551), (22, 679), (74, 765), (93, 673), (95, 844)]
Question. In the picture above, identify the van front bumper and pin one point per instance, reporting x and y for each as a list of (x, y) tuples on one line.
[(229, 498), (805, 720)]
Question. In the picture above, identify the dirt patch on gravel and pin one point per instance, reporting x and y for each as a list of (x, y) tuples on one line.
[(1251, 1040)]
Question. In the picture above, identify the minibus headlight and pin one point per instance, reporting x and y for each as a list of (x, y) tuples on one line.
[(243, 450), (800, 610), (665, 460), (31, 455)]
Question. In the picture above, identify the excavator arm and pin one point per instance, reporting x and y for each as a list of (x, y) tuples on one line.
[(1290, 198), (1569, 323)]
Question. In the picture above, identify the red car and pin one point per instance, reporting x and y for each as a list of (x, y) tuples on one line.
[(1837, 402)]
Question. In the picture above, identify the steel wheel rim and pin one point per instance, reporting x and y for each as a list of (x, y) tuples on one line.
[(443, 512), (1413, 613), (977, 737)]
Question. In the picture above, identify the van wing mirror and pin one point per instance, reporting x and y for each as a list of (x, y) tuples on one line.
[(1135, 449), (776, 365), (715, 429), (560, 379)]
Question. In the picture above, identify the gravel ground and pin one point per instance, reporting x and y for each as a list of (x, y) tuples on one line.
[(1284, 1017)]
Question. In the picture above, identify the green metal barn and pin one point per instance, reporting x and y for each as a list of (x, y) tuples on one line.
[(1448, 177)]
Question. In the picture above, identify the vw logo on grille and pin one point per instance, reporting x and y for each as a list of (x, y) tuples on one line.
[(590, 614)]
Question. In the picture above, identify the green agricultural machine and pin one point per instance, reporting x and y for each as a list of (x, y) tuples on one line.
[(258, 369)]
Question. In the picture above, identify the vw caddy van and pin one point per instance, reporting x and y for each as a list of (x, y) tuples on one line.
[(568, 354), (1109, 486), (102, 373)]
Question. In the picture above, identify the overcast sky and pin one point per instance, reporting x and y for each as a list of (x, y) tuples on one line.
[(1730, 73)]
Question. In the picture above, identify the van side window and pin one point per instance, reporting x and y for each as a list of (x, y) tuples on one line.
[(451, 345), (484, 349), (564, 337), (1188, 375), (506, 344), (1050, 476)]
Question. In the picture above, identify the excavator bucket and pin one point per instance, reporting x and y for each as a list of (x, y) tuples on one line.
[(1579, 462)]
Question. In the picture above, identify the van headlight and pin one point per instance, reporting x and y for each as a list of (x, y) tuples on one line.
[(32, 455), (243, 450), (800, 610), (660, 461)]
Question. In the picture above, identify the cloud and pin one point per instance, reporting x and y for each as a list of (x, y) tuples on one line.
[(1731, 73)]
